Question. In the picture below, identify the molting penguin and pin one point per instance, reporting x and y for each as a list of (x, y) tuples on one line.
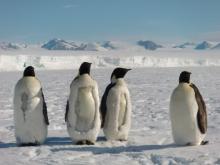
[(30, 110), (116, 107), (82, 109), (188, 113)]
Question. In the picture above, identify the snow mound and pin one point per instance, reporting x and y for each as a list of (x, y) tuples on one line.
[(149, 45)]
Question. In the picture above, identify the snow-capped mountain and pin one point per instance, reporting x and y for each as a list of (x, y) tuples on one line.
[(150, 45), (204, 45), (216, 46), (186, 45), (92, 47), (65, 45), (59, 44), (110, 45), (11, 46)]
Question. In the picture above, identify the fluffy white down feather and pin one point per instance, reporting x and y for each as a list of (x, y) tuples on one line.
[(83, 120), (118, 116), (30, 126), (183, 115)]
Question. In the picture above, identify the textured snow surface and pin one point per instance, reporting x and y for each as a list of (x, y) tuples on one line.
[(150, 140)]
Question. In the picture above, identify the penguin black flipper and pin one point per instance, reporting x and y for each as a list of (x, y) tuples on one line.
[(202, 114), (103, 107), (45, 109), (77, 77), (67, 110)]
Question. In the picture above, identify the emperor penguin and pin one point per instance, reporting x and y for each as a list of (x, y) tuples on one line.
[(82, 109), (30, 110), (116, 107), (188, 113)]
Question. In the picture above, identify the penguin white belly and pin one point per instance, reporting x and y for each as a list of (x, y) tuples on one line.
[(183, 113), (85, 109), (122, 110)]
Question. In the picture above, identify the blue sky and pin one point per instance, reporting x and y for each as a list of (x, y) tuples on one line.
[(35, 21)]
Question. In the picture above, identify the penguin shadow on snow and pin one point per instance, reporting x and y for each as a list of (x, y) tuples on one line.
[(115, 150), (7, 145), (56, 141), (52, 141)]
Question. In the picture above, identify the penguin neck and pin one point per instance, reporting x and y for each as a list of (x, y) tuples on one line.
[(120, 81), (184, 83), (84, 76), (29, 77)]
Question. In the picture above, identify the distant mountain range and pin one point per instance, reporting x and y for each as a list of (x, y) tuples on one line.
[(205, 45), (60, 44), (11, 46)]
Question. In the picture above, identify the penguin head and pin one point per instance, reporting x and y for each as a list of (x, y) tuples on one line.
[(184, 77), (29, 71), (118, 73), (85, 68)]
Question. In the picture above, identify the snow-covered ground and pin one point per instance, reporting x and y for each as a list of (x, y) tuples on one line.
[(150, 140)]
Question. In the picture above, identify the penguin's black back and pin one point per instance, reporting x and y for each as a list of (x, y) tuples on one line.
[(202, 114), (103, 107)]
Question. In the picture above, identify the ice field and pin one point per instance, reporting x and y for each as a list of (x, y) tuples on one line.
[(131, 57), (150, 140)]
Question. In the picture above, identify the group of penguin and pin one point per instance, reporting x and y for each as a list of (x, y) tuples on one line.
[(85, 114)]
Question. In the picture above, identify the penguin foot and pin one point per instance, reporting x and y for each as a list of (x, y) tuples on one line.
[(204, 142), (89, 142), (81, 142), (188, 144), (122, 140)]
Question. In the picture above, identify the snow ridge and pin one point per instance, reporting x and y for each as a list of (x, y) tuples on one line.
[(56, 62)]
